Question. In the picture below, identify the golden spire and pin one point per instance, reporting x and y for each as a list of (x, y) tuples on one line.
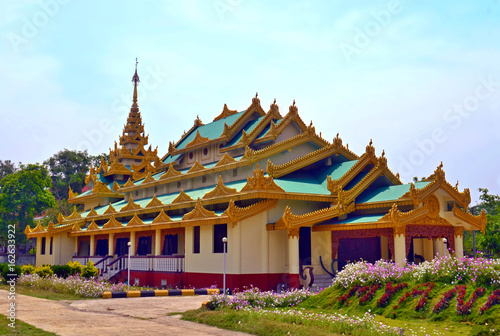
[(136, 80)]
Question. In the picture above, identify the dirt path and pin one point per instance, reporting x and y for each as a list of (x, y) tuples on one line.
[(133, 316)]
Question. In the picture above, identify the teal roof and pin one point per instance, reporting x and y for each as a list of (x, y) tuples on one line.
[(358, 219), (212, 130), (249, 127), (169, 158), (387, 193), (267, 128), (306, 185)]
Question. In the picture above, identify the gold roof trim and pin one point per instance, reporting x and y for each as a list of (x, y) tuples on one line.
[(226, 112), (60, 218), (162, 218), (253, 108), (131, 205), (478, 221), (92, 212), (439, 181), (74, 214), (170, 172), (112, 223), (116, 186), (103, 167), (129, 183), (199, 212), (135, 221), (110, 210), (198, 139), (154, 202), (260, 182), (27, 230), (149, 178), (237, 214), (76, 227), (183, 197), (92, 226), (71, 194), (220, 190), (38, 228), (196, 167), (225, 160), (100, 187), (117, 168)]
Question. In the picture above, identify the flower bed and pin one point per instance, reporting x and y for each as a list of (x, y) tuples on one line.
[(71, 285), (390, 290), (493, 299), (254, 298)]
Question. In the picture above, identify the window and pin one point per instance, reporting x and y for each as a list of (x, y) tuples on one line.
[(205, 151), (196, 239), (51, 243), (191, 156), (122, 247), (178, 184), (203, 179), (220, 231), (170, 245), (235, 172), (144, 245), (43, 245), (101, 248), (305, 245)]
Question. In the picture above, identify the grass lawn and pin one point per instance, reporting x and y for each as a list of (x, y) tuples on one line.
[(22, 329), (44, 294)]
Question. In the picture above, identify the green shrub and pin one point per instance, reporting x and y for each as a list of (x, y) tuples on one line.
[(61, 271), (27, 269), (90, 270), (44, 271), (75, 267), (7, 270)]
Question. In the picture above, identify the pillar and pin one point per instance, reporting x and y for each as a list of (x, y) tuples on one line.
[(321, 246), (265, 249), (111, 244), (293, 261), (132, 241), (76, 246), (158, 242), (92, 246), (428, 249), (384, 247), (399, 248), (438, 247), (459, 242)]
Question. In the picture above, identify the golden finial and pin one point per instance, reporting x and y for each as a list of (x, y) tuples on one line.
[(371, 142), (294, 102), (256, 95), (274, 101), (383, 152)]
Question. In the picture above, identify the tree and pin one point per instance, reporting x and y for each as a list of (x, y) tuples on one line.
[(68, 168), (24, 194), (6, 168)]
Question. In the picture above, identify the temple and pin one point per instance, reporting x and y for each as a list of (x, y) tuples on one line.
[(295, 207)]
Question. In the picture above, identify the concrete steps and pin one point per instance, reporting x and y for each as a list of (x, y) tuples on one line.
[(321, 281)]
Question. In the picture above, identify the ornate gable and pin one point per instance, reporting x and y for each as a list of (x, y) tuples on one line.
[(198, 212), (220, 190)]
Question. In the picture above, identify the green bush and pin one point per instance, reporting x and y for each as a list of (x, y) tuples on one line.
[(90, 270), (61, 271), (75, 267), (44, 271), (10, 270), (27, 269)]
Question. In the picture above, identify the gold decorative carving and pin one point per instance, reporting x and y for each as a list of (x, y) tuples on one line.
[(226, 112), (237, 214), (117, 167), (93, 226), (27, 230), (199, 212), (458, 231), (198, 139), (116, 186), (76, 228), (149, 178), (129, 183), (112, 223), (259, 182), (162, 218), (131, 205), (74, 214), (154, 202), (220, 190), (110, 210), (135, 221), (71, 194), (198, 122), (170, 172), (103, 168), (478, 221), (226, 159), (196, 167), (100, 187), (38, 228), (183, 197), (92, 212), (60, 218)]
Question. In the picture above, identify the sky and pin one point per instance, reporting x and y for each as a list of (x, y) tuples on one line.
[(420, 79)]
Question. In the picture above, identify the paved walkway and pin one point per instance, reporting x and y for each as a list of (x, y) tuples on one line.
[(132, 316)]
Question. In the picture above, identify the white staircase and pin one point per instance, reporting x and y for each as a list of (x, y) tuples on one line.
[(321, 281)]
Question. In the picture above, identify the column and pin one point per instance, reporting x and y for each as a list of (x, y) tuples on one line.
[(92, 245), (293, 261), (158, 242), (111, 244), (399, 248), (438, 247), (384, 247), (321, 246), (76, 246), (459, 242), (428, 249), (132, 240)]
